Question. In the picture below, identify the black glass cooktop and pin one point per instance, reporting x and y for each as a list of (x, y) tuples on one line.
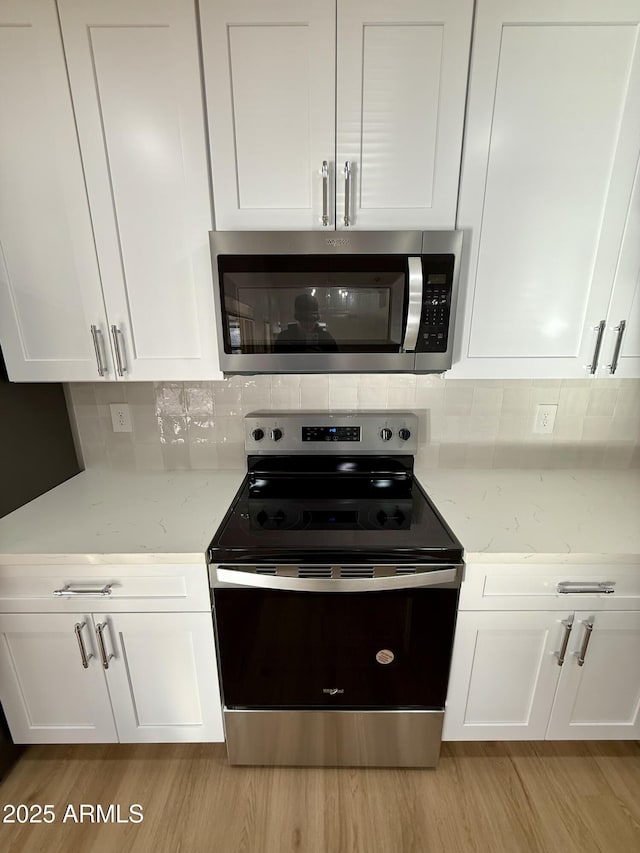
[(325, 509)]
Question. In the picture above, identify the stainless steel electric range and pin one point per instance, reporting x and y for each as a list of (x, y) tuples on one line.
[(335, 590)]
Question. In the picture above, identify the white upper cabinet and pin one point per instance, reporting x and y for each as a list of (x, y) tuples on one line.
[(551, 149), (295, 90), (621, 349), (135, 82), (270, 84), (400, 97), (50, 293)]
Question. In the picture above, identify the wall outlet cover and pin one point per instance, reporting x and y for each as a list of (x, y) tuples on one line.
[(545, 419), (120, 417)]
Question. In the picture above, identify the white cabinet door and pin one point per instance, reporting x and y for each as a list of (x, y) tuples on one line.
[(270, 74), (47, 694), (621, 347), (135, 81), (163, 678), (50, 293), (551, 147), (504, 674), (600, 700), (401, 87)]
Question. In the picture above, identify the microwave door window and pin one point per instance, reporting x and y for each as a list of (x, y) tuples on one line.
[(334, 309)]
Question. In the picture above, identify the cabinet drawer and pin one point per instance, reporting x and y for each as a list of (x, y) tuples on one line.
[(512, 586), (163, 587)]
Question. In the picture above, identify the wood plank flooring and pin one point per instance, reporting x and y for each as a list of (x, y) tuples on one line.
[(498, 797)]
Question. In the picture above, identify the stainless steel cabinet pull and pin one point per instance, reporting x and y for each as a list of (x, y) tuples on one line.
[(596, 353), (568, 625), (66, 590), (347, 193), (616, 352), (95, 331), (586, 587), (83, 652), (120, 359), (103, 650), (588, 628), (325, 192)]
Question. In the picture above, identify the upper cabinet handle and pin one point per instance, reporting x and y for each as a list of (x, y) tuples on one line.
[(325, 192), (347, 193), (95, 331), (121, 363), (616, 353), (596, 353)]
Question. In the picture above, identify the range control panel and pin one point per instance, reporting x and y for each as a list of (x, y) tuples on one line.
[(335, 432)]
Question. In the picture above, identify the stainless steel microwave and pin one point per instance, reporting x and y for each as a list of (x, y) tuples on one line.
[(362, 302)]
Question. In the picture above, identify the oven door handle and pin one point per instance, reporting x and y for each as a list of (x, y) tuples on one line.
[(245, 577), (414, 311)]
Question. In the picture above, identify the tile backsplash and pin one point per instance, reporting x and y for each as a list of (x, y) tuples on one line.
[(474, 424)]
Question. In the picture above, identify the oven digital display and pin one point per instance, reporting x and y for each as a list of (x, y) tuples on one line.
[(331, 433)]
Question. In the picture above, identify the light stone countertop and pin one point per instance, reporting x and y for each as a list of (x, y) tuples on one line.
[(102, 516), (540, 516), (503, 516)]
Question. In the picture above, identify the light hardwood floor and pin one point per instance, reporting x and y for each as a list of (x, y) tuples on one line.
[(515, 798)]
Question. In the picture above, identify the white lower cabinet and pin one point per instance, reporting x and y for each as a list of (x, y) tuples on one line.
[(149, 677), (558, 674), (504, 676), (47, 694), (163, 678), (599, 700)]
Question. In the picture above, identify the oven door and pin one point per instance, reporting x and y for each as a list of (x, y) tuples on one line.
[(385, 650)]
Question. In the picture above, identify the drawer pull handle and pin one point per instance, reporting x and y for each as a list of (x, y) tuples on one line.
[(87, 593), (84, 657), (586, 588), (103, 649), (588, 628), (568, 625)]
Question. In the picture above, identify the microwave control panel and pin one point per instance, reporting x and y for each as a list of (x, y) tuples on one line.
[(437, 271)]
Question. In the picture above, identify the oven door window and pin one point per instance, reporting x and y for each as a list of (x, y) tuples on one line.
[(324, 650), (312, 303)]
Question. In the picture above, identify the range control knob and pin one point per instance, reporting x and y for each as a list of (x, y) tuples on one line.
[(385, 433), (404, 433), (257, 434), (275, 434)]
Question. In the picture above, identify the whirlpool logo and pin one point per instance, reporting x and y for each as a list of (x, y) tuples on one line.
[(337, 242), (332, 691)]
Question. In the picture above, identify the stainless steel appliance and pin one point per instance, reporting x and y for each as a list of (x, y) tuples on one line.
[(307, 302), (335, 589)]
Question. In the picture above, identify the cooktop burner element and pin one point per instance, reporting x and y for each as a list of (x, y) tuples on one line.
[(354, 497)]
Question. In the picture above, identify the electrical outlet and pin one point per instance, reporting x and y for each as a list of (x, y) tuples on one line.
[(545, 419), (120, 417)]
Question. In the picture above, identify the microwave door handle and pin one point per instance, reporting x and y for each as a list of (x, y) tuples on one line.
[(414, 311)]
